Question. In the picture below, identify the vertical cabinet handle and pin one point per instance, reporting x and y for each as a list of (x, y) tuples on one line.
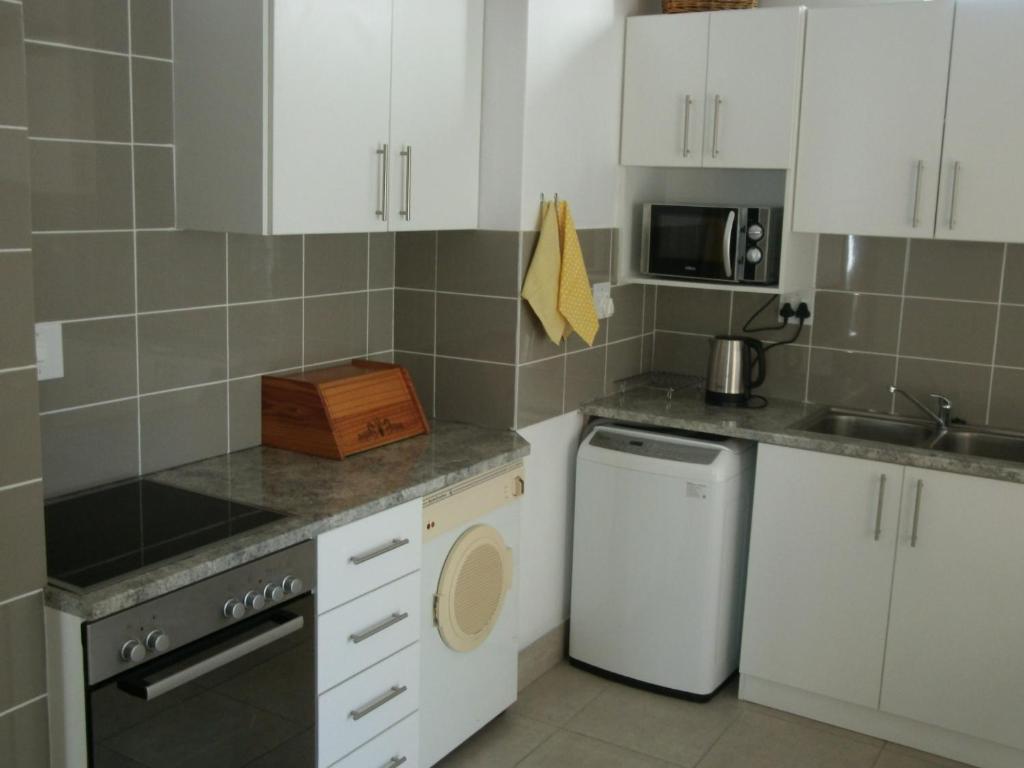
[(714, 131), (406, 211), (687, 103), (917, 512), (382, 182), (952, 195), (878, 510), (916, 219)]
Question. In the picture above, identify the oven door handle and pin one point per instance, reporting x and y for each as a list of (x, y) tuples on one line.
[(146, 688), (727, 244)]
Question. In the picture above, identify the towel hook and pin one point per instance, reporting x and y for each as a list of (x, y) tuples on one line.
[(542, 198)]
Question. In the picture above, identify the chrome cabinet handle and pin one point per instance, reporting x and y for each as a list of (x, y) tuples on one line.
[(881, 504), (406, 211), (394, 762), (727, 244), (952, 196), (687, 103), (916, 219), (382, 182), (383, 550), (714, 132), (917, 512), (380, 701), (366, 634)]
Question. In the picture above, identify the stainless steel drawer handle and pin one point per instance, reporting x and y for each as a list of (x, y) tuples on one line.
[(389, 547), (394, 762), (916, 219), (382, 182), (917, 512), (366, 634), (881, 504), (380, 701)]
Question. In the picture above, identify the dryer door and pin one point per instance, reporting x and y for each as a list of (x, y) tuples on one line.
[(476, 576)]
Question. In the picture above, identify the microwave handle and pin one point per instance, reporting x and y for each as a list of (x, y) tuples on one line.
[(727, 244)]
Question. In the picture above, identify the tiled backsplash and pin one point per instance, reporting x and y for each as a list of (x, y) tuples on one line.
[(926, 315)]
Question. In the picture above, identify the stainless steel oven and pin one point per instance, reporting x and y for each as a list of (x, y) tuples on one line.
[(219, 674), (715, 243)]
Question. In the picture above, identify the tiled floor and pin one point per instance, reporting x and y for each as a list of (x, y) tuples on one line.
[(570, 718)]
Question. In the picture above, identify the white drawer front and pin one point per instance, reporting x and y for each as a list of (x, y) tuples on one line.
[(373, 694), (397, 742), (362, 632), (357, 558)]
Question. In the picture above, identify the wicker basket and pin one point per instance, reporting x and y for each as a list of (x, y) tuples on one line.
[(687, 6)]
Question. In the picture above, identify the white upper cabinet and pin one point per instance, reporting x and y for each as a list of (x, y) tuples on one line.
[(753, 88), (983, 161), (874, 93), (664, 90), (712, 89), (953, 656), (436, 68), (307, 116)]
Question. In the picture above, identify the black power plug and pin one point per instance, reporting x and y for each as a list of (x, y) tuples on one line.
[(786, 311), (803, 312)]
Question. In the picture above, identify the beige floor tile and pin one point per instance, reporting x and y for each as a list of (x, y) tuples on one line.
[(895, 756), (502, 743), (834, 729), (675, 730), (569, 750), (759, 741), (558, 695)]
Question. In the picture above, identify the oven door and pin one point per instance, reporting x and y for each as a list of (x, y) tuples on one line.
[(693, 242), (245, 696)]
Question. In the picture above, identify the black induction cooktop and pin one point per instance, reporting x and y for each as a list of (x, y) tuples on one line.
[(99, 535)]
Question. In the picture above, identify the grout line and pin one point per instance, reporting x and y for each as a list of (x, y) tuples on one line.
[(104, 142), (995, 342), (6, 127), (908, 296), (458, 293), (36, 232), (16, 598), (302, 328), (519, 319), (22, 484), (367, 288), (227, 335), (19, 369), (899, 324), (434, 393), (135, 246), (15, 250), (124, 54), (23, 704)]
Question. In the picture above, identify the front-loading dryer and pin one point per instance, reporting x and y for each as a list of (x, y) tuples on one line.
[(470, 637)]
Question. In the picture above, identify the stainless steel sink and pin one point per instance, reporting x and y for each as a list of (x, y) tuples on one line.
[(916, 433)]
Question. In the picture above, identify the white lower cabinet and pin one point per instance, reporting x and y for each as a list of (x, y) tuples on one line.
[(397, 746), (888, 599)]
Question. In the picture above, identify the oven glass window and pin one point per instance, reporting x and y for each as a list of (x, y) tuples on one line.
[(691, 242), (257, 711)]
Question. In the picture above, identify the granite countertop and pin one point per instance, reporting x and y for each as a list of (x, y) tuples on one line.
[(666, 400), (317, 495)]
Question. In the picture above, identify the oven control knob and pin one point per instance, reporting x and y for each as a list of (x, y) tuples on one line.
[(754, 255), (254, 601), (233, 609), (133, 651), (158, 641), (273, 593), (755, 232), (292, 585)]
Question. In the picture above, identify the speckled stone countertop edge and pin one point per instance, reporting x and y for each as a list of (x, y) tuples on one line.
[(222, 556)]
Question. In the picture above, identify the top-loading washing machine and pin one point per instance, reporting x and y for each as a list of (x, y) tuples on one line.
[(470, 635)]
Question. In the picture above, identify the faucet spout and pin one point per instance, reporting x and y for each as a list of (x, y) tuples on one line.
[(942, 417)]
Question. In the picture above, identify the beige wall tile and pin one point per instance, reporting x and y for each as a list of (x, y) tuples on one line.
[(264, 337), (541, 388), (855, 321), (152, 101), (421, 369), (693, 310), (382, 320), (70, 458), (628, 320), (851, 379), (22, 638), (15, 213), (24, 737), (1013, 282), (336, 263), (154, 187), (954, 270), (335, 327), (575, 342), (478, 393), (80, 186), (382, 259), (19, 438), (948, 330), (650, 300), (596, 245), (416, 260), (89, 23), (180, 269), (584, 376), (264, 267), (856, 263), (625, 359), (245, 428), (183, 426), (179, 349), (786, 368), (534, 343), (478, 261), (99, 364), (22, 542), (83, 275), (151, 28), (12, 67), (681, 353), (17, 343), (1010, 345), (476, 327), (414, 321), (1007, 409)]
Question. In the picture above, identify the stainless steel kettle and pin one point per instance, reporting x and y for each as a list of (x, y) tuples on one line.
[(731, 364)]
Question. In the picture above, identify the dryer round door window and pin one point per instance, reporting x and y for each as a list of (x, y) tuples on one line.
[(476, 576)]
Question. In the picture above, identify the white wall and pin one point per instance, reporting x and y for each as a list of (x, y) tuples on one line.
[(545, 543)]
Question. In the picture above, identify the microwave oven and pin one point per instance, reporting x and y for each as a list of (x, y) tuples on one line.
[(712, 243)]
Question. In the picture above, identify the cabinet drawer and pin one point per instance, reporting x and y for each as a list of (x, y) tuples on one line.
[(401, 740), (362, 632), (357, 710), (362, 556)]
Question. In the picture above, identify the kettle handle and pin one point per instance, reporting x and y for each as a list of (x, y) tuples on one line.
[(757, 347)]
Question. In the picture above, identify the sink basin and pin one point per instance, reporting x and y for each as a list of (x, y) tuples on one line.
[(870, 426), (916, 433)]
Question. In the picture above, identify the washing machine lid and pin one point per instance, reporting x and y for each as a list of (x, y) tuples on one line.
[(475, 578)]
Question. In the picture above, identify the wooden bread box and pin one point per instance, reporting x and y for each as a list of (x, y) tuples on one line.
[(335, 412)]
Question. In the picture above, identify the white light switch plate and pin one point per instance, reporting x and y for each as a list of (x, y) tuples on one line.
[(603, 300), (49, 351)]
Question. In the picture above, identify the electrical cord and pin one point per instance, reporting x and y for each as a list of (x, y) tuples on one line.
[(753, 317)]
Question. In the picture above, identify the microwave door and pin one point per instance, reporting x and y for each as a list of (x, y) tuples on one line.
[(692, 242)]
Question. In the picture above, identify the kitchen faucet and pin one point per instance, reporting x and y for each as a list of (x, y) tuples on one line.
[(942, 417)]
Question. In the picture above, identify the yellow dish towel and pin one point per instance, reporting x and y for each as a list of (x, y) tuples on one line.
[(540, 288), (575, 298)]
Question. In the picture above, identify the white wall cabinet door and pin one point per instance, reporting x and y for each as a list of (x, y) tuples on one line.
[(664, 90), (754, 76), (330, 97), (954, 653), (982, 162), (820, 573), (874, 94), (435, 114)]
